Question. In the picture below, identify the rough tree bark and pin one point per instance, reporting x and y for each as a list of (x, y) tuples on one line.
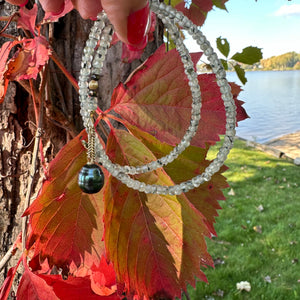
[(60, 117)]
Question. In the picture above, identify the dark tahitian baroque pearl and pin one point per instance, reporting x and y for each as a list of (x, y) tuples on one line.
[(91, 179)]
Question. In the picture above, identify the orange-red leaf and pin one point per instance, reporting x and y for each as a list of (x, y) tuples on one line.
[(156, 243), (198, 10), (78, 288), (27, 18), (66, 224), (103, 278), (157, 99), (32, 287), (6, 286), (29, 60), (4, 53)]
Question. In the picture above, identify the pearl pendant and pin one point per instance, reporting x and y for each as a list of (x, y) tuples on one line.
[(91, 179)]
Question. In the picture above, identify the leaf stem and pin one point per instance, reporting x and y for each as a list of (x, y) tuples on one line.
[(32, 171), (101, 116), (9, 19), (5, 291), (187, 296), (8, 255), (110, 116), (42, 91), (9, 36), (34, 102)]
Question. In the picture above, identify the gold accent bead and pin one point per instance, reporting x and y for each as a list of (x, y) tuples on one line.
[(93, 85)]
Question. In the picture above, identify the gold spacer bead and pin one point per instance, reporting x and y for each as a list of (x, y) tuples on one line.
[(93, 85)]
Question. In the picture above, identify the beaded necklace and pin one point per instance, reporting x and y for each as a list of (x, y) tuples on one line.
[(91, 178)]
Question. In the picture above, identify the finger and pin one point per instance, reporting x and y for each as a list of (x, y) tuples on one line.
[(138, 24), (88, 9), (17, 2), (129, 17), (55, 7)]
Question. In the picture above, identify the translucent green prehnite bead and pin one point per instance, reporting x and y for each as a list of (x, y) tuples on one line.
[(91, 179)]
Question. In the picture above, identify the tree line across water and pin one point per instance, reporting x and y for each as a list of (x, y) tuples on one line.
[(287, 61)]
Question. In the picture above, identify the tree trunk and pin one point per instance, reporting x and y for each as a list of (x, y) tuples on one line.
[(60, 120)]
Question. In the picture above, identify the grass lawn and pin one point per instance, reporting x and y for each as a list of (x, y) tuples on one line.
[(258, 230)]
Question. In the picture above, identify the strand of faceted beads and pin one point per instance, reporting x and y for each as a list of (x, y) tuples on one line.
[(169, 16), (92, 63), (90, 94)]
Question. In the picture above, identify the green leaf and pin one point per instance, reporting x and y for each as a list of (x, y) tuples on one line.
[(250, 55), (240, 73), (169, 42), (223, 46), (224, 63), (220, 3)]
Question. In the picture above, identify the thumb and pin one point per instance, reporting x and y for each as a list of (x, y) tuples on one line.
[(130, 19)]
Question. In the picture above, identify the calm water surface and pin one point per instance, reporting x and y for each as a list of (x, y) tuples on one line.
[(272, 100)]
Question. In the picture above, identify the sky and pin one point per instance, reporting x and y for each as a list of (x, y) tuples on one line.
[(273, 25)]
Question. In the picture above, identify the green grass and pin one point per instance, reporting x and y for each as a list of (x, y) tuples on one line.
[(256, 179)]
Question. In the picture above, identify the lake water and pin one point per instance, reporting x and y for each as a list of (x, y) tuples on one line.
[(272, 101)]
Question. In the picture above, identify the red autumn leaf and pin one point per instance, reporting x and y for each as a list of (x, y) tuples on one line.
[(39, 267), (204, 5), (6, 286), (156, 243), (27, 18), (78, 288), (154, 97), (4, 53), (50, 17), (157, 99), (103, 278), (66, 224), (29, 60), (33, 287), (3, 89), (197, 11), (213, 118)]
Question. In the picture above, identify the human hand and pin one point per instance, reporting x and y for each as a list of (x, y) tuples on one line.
[(130, 18)]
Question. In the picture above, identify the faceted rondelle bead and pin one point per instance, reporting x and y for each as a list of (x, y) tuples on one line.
[(95, 77), (92, 93), (91, 179), (93, 85)]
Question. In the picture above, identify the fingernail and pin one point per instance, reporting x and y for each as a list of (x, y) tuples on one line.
[(137, 26), (61, 9), (140, 46), (24, 3)]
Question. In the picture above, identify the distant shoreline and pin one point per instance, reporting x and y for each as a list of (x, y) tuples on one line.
[(264, 70), (286, 146), (267, 70)]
